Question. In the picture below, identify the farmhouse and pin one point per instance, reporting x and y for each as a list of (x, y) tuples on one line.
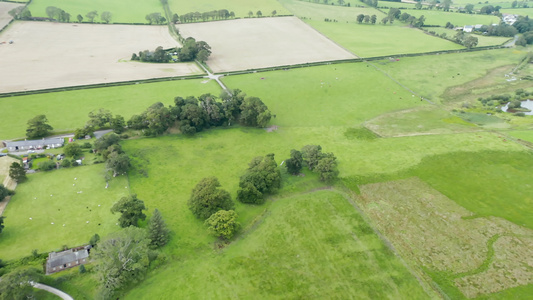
[(468, 28), (59, 261), (35, 144)]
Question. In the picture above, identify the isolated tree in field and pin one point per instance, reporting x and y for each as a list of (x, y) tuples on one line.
[(91, 15), (117, 162), (327, 167), (16, 284), (259, 14), (385, 20), (73, 150), (223, 224), (38, 127), (121, 259), (106, 17), (17, 172), (250, 14), (295, 163), (262, 177), (94, 240), (254, 113), (131, 210), (446, 4), (207, 198), (157, 230), (373, 19), (274, 13), (80, 18), (470, 42), (469, 8), (360, 18), (4, 192), (312, 155)]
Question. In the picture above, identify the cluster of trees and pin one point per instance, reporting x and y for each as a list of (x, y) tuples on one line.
[(524, 25), (516, 4), (123, 257), (325, 164), (373, 3), (109, 148), (396, 14), (367, 19), (525, 39), (466, 40), (20, 13), (513, 100), (155, 18), (262, 177), (193, 114), (221, 14), (489, 9), (101, 119), (57, 14), (190, 51)]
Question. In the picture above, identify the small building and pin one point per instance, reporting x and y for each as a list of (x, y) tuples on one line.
[(468, 28), (35, 144), (59, 261)]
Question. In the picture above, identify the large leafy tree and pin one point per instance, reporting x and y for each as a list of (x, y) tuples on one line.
[(17, 172), (207, 198), (38, 127), (254, 113), (223, 224), (262, 177), (131, 210), (4, 192), (121, 259), (312, 154), (327, 167), (73, 150), (16, 284), (119, 163), (294, 164), (157, 230)]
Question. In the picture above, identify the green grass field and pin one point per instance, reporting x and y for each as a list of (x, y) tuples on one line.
[(519, 11), (68, 110), (52, 197), (438, 17), (278, 259), (453, 70), (319, 12), (379, 40), (123, 11), (526, 135), (239, 7)]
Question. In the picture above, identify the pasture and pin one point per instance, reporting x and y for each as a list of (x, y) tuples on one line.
[(366, 40), (123, 11), (467, 255), (483, 40), (69, 110), (438, 17), (60, 207), (262, 43), (5, 18), (81, 54), (276, 259), (319, 12), (519, 11), (241, 8)]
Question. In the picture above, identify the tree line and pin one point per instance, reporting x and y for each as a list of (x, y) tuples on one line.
[(396, 14), (191, 50), (221, 14)]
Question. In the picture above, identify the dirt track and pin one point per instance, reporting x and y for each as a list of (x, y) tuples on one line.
[(258, 43), (47, 55)]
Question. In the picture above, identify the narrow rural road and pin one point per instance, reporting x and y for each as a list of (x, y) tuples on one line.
[(215, 77), (511, 43), (52, 290)]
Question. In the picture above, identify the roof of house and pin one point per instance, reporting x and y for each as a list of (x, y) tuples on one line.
[(65, 257), (29, 143)]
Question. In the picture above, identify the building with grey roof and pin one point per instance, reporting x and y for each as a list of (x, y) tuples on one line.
[(59, 261), (35, 144)]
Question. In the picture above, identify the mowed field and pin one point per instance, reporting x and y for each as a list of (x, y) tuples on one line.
[(379, 40), (122, 11), (264, 42), (48, 55), (69, 110), (319, 12), (5, 7), (483, 40), (438, 17), (239, 7), (519, 11)]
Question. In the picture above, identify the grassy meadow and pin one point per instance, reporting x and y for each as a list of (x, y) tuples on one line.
[(518, 11), (55, 204), (319, 12), (71, 108), (483, 40), (123, 11), (239, 7), (367, 40), (439, 17)]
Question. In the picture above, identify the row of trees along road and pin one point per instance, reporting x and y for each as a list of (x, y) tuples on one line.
[(213, 204)]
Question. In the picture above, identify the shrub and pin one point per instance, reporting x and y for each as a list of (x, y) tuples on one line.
[(47, 165)]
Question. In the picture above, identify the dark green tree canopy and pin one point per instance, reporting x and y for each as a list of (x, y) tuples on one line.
[(16, 284), (254, 113), (131, 210), (223, 224), (17, 172), (312, 154), (295, 163), (73, 150), (262, 177), (157, 230), (38, 127), (207, 198)]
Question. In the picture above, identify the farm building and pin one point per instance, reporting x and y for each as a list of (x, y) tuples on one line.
[(59, 261), (468, 28), (35, 144)]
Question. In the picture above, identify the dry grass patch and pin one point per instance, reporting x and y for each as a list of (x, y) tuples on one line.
[(264, 42), (437, 234), (5, 162), (48, 55)]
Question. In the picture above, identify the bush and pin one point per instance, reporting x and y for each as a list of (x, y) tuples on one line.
[(86, 145), (82, 269), (47, 165)]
